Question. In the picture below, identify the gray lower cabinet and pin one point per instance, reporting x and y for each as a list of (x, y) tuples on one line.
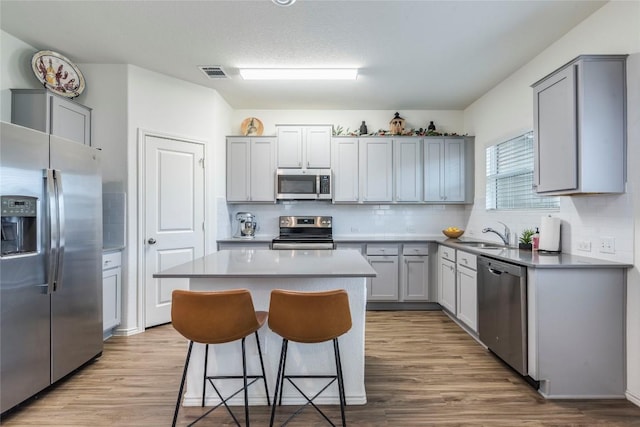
[(384, 260), (447, 278), (414, 275), (467, 290), (47, 112), (580, 127), (111, 291), (576, 331)]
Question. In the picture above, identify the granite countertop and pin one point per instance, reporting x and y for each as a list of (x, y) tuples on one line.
[(268, 263), (535, 259)]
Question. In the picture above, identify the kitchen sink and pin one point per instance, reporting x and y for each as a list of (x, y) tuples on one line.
[(482, 245)]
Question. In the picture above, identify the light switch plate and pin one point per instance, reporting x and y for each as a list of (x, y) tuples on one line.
[(584, 245)]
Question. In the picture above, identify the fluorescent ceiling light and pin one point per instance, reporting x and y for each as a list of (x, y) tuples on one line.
[(299, 73)]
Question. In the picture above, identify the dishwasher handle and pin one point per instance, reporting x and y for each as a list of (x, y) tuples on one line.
[(494, 271)]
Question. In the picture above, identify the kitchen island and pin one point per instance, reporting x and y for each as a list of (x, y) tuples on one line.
[(261, 271)]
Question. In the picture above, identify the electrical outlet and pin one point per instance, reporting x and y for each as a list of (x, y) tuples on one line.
[(607, 245), (584, 245)]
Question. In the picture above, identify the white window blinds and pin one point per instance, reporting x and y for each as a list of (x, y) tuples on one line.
[(510, 176)]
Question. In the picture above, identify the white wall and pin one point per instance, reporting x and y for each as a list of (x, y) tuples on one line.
[(166, 105), (507, 110), (15, 71)]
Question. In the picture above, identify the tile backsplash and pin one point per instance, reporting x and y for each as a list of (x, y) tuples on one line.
[(354, 220), (113, 220)]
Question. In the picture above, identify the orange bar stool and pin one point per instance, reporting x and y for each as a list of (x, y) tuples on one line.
[(309, 317), (216, 318)]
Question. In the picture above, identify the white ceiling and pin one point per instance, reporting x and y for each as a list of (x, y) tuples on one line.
[(411, 54)]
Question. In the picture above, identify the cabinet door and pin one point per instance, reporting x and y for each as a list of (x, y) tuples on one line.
[(238, 171), (70, 120), (468, 297), (408, 169), (433, 169), (383, 287), (345, 169), (376, 170), (556, 145), (453, 172), (111, 289), (318, 147), (415, 278), (447, 278), (289, 147), (263, 170)]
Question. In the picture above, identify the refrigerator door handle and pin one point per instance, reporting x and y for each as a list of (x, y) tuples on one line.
[(53, 231), (61, 228)]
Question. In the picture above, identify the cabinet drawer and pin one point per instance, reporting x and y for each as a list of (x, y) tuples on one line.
[(111, 260), (415, 249), (466, 259), (447, 253), (382, 250)]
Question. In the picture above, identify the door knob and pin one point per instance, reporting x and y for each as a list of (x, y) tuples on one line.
[(151, 241)]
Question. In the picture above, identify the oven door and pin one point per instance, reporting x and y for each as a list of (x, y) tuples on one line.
[(296, 186)]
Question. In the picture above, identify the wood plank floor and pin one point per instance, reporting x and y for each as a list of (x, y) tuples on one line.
[(421, 369)]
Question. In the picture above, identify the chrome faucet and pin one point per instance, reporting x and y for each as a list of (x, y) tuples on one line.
[(506, 236)]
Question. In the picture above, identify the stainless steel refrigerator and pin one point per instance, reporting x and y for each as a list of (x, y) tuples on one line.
[(50, 265)]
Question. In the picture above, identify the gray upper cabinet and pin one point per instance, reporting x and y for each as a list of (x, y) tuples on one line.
[(251, 167), (407, 155), (579, 127), (47, 112), (304, 146), (448, 170)]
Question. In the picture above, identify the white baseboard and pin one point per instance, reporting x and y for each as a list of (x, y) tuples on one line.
[(126, 332), (633, 398)]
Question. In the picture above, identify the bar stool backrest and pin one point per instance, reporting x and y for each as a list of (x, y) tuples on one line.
[(213, 317), (309, 317)]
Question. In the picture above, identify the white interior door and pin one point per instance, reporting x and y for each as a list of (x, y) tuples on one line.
[(173, 195)]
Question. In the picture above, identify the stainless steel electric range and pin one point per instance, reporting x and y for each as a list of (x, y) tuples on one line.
[(304, 232)]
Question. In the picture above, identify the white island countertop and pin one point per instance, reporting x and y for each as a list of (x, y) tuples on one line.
[(273, 263)]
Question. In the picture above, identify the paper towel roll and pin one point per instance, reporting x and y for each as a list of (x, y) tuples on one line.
[(549, 234)]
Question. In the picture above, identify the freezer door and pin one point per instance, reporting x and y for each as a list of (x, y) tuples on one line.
[(24, 303), (76, 304)]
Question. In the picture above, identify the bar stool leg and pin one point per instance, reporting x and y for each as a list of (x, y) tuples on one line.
[(264, 376), (284, 364), (341, 393), (184, 376), (283, 353), (204, 374), (244, 377)]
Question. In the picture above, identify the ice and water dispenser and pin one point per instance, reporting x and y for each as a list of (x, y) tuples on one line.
[(19, 225)]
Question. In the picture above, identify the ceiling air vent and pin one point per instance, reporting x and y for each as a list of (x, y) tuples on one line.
[(213, 71)]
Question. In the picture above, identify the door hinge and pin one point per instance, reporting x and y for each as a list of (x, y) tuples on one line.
[(201, 161), (203, 226)]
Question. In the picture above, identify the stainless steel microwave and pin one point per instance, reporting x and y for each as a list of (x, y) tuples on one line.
[(303, 184)]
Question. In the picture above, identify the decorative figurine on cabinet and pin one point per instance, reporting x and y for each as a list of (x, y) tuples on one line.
[(363, 128), (396, 125)]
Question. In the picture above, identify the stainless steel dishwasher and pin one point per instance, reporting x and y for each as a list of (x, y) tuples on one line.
[(502, 310)]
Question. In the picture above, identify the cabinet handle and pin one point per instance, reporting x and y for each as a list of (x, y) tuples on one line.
[(299, 164)]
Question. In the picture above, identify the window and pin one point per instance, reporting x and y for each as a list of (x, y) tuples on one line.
[(510, 177)]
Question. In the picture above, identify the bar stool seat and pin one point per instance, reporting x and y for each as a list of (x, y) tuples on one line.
[(309, 317), (217, 318)]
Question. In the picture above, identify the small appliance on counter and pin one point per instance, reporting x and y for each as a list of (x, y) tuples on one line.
[(247, 225)]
